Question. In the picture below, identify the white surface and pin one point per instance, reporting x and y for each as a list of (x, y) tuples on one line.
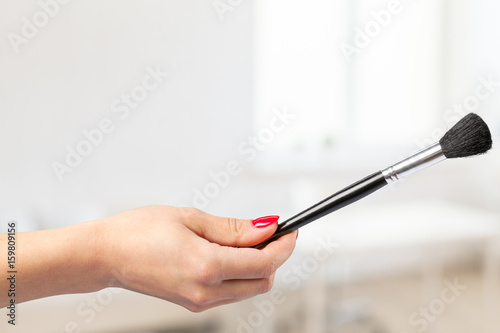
[(392, 225)]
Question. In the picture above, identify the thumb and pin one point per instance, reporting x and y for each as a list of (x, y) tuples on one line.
[(236, 232)]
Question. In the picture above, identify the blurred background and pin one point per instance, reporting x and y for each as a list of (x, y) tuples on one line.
[(304, 98)]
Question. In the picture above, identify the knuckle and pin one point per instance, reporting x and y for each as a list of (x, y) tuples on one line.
[(205, 271), (236, 228), (267, 285), (235, 225), (199, 299), (194, 308), (190, 212), (270, 268)]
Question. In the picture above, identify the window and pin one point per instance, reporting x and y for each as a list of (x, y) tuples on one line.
[(385, 94)]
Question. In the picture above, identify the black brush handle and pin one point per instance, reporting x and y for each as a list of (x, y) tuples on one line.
[(336, 201)]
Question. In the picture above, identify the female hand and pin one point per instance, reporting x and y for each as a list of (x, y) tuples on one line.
[(191, 258)]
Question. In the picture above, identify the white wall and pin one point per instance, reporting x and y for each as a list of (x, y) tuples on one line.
[(64, 80)]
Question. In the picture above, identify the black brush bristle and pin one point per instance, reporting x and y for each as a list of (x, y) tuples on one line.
[(469, 137)]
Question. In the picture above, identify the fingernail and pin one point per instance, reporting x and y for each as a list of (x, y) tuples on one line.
[(297, 236), (265, 221)]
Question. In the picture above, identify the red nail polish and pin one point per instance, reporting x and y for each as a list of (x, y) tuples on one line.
[(297, 236), (265, 221)]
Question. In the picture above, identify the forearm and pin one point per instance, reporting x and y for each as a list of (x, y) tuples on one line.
[(53, 262)]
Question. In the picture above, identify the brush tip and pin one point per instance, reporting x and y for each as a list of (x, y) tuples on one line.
[(470, 136)]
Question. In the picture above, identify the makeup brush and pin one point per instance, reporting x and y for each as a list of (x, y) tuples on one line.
[(469, 137)]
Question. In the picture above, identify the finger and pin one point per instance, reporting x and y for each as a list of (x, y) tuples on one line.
[(230, 291), (243, 289), (248, 263), (230, 231)]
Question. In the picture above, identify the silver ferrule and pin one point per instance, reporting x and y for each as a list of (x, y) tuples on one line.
[(421, 160)]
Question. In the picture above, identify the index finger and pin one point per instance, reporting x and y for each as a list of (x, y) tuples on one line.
[(249, 263)]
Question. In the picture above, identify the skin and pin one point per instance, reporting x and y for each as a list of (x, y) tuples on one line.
[(181, 255)]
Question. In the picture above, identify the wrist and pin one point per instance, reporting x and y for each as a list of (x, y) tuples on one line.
[(92, 255), (104, 256)]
